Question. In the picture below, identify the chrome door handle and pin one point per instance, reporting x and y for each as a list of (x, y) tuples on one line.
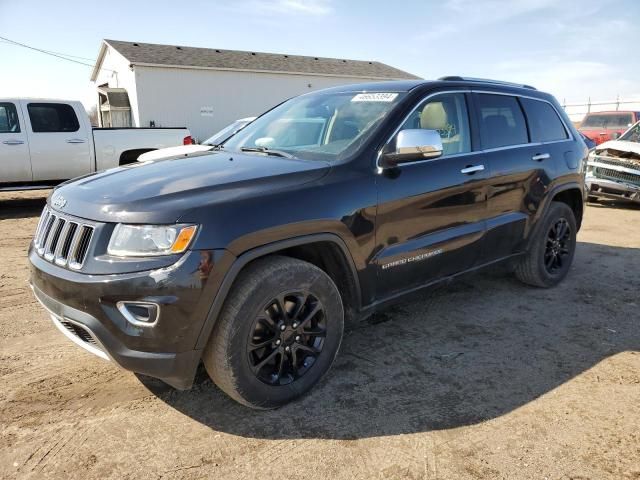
[(472, 169), (13, 142), (75, 140), (538, 157)]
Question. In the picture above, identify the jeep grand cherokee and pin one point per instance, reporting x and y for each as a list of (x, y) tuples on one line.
[(251, 258)]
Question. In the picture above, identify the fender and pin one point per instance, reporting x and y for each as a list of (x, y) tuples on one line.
[(246, 257)]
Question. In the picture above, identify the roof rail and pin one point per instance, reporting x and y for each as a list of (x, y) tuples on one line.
[(456, 78)]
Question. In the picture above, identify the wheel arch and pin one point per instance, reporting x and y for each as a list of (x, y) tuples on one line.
[(327, 251), (573, 198), (130, 156), (570, 193)]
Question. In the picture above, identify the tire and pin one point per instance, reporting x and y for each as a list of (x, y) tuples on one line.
[(534, 267), (248, 333)]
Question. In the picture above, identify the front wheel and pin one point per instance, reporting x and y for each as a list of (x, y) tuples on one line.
[(278, 333), (551, 250)]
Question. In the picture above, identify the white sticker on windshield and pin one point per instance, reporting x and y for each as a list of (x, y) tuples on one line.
[(374, 97)]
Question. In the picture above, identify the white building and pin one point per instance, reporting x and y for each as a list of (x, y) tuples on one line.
[(142, 84)]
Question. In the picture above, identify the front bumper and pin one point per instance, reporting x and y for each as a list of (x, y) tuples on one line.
[(84, 308), (604, 188)]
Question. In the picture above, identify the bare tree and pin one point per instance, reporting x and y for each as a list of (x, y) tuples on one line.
[(93, 115)]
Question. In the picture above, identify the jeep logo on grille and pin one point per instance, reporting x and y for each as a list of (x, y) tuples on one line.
[(59, 201)]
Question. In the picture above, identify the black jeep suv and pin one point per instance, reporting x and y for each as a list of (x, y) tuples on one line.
[(251, 258)]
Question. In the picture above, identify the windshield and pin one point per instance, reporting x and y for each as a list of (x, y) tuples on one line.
[(608, 120), (319, 126), (633, 134), (226, 132)]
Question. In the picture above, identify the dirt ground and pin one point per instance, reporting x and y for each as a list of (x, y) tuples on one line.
[(485, 378)]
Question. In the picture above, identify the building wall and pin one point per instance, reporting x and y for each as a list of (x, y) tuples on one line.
[(116, 73), (207, 100)]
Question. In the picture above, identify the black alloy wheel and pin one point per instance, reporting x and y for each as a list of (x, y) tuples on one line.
[(287, 337), (558, 246), (550, 249), (278, 332)]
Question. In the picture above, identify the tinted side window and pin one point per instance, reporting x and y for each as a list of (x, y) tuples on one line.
[(52, 117), (544, 123), (501, 121), (447, 114), (9, 118)]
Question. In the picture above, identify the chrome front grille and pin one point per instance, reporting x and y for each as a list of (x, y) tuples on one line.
[(616, 175), (63, 240), (626, 175)]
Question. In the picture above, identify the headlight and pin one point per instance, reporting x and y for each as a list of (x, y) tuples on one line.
[(150, 240)]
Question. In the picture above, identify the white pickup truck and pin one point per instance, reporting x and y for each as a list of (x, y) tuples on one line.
[(44, 142)]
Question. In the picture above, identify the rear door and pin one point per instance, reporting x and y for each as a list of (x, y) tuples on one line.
[(522, 166), (431, 213), (58, 141), (15, 164)]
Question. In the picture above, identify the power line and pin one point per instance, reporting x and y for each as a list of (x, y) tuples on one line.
[(10, 42), (62, 56)]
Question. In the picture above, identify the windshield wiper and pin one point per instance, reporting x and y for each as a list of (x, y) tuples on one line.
[(268, 151)]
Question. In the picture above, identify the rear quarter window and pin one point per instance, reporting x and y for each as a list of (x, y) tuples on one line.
[(9, 118), (52, 117), (501, 121), (544, 123)]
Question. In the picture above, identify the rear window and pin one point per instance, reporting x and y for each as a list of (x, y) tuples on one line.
[(9, 118), (608, 120), (52, 117), (544, 123), (502, 121)]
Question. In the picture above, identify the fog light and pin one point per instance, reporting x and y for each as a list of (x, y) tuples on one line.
[(141, 314)]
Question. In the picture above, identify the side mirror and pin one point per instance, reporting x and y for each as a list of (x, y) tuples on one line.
[(615, 135), (414, 145)]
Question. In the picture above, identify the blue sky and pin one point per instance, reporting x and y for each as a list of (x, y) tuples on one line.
[(573, 49)]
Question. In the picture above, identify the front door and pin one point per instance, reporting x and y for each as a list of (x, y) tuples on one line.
[(58, 141), (431, 213), (15, 164)]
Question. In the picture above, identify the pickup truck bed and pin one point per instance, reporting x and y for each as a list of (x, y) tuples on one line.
[(45, 142)]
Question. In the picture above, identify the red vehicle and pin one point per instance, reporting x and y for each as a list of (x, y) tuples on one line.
[(604, 126)]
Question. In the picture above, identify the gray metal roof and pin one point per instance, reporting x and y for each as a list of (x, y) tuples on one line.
[(149, 53)]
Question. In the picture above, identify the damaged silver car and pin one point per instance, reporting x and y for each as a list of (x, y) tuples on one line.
[(613, 169)]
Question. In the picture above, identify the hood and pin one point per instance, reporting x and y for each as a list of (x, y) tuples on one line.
[(174, 152), (160, 192), (622, 146)]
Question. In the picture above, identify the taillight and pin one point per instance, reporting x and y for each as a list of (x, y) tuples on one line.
[(187, 140)]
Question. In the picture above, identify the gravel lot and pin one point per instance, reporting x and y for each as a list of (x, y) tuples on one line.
[(484, 378)]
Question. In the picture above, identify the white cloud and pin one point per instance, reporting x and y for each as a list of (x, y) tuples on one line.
[(288, 7), (570, 80), (496, 10), (316, 7)]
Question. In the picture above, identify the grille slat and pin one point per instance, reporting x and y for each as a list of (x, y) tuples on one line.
[(80, 252), (65, 245), (54, 237), (39, 227), (62, 240), (45, 232)]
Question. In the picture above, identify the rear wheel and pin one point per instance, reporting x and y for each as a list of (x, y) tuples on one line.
[(278, 333), (552, 248)]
